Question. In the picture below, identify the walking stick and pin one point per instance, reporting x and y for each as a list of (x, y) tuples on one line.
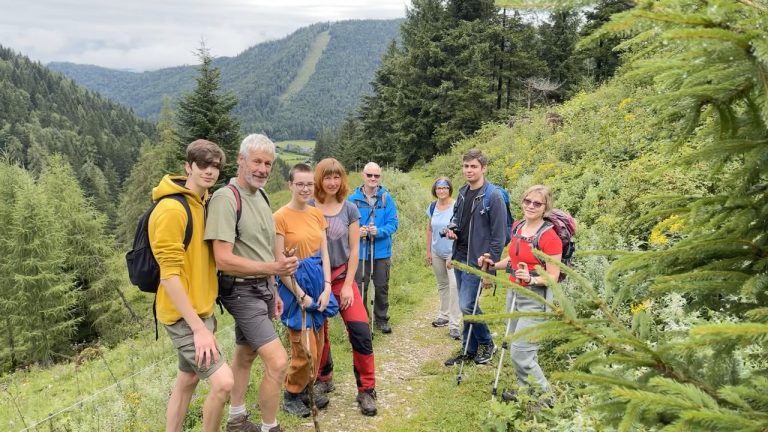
[(305, 347), (504, 344), (372, 252), (460, 376)]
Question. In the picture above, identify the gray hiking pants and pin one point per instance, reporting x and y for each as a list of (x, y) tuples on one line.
[(523, 352)]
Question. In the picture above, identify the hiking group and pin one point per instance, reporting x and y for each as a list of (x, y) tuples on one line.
[(303, 264), (312, 259)]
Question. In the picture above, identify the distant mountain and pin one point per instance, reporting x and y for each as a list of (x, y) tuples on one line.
[(289, 88)]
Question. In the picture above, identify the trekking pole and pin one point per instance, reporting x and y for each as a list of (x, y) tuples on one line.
[(305, 347), (504, 343), (460, 376), (372, 245)]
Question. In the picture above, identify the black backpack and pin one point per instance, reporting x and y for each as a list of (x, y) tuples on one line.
[(143, 269)]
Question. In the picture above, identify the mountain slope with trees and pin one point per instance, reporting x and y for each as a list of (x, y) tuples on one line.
[(261, 75), (42, 113)]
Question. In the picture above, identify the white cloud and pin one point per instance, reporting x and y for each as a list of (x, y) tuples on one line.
[(150, 34)]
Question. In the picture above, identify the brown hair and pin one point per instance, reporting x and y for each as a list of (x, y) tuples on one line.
[(473, 154), (299, 167), (205, 153), (325, 168), (544, 192), (450, 186)]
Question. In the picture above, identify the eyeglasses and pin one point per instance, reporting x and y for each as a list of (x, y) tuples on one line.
[(534, 204), (369, 175), (301, 186)]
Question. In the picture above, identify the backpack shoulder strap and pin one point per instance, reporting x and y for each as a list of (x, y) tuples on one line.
[(188, 230), (432, 206), (264, 194), (489, 188), (544, 227), (238, 207)]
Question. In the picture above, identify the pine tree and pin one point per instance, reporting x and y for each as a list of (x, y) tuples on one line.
[(44, 294), (155, 161), (206, 113), (704, 63)]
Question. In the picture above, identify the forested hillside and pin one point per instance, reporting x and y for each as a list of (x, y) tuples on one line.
[(42, 113), (261, 76)]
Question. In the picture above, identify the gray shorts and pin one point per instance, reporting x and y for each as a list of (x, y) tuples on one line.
[(183, 339), (252, 304)]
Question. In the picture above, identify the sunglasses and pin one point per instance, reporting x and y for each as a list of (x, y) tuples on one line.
[(202, 164), (372, 175), (534, 204)]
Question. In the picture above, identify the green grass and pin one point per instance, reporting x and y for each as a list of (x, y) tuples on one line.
[(126, 388), (307, 68)]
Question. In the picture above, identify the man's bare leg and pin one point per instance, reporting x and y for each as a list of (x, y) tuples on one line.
[(275, 364), (241, 370), (178, 403), (221, 385)]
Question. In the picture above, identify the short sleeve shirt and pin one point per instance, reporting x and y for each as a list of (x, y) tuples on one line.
[(338, 233), (302, 229), (520, 249), (439, 219), (257, 229)]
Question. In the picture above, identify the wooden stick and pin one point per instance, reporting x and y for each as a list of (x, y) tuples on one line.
[(305, 346)]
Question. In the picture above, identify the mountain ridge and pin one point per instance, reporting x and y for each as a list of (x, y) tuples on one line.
[(262, 74)]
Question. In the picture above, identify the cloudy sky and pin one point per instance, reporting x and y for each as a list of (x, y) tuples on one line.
[(151, 34)]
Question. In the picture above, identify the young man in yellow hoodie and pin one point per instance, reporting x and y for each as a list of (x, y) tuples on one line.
[(188, 286)]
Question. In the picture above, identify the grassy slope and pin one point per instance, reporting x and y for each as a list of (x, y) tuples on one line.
[(308, 66)]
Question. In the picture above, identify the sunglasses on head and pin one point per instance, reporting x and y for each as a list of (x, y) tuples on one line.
[(369, 175), (534, 204)]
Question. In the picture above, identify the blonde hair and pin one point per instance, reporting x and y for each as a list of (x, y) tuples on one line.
[(544, 192)]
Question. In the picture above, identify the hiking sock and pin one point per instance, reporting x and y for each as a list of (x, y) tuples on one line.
[(235, 411), (267, 427)]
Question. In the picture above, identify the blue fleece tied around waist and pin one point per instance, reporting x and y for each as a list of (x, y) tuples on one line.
[(309, 276)]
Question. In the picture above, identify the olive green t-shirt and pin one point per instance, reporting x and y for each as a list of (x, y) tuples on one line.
[(257, 229)]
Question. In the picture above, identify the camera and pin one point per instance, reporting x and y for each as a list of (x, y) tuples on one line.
[(450, 227)]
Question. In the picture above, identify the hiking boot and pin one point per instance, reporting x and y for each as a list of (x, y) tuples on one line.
[(366, 400), (485, 353), (292, 404), (440, 322), (241, 424), (509, 396), (324, 386), (385, 328), (276, 429), (459, 358), (454, 334), (321, 400)]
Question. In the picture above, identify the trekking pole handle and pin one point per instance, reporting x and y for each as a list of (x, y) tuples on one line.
[(521, 266)]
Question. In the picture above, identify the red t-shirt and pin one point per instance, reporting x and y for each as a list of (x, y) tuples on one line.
[(520, 250)]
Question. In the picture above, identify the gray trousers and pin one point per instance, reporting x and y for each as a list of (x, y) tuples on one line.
[(523, 352), (381, 284), (447, 291)]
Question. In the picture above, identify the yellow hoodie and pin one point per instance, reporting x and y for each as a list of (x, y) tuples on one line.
[(195, 267)]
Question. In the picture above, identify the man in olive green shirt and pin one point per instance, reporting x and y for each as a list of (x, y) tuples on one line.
[(243, 253)]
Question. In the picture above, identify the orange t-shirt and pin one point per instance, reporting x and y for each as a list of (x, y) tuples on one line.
[(302, 230)]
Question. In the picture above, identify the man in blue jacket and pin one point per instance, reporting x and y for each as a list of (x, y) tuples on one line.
[(479, 223), (378, 221)]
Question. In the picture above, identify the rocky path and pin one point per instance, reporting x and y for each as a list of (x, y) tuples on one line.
[(400, 357)]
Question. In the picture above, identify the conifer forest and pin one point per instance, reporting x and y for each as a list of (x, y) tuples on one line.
[(648, 119)]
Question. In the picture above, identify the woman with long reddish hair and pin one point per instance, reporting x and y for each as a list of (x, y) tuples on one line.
[(331, 189)]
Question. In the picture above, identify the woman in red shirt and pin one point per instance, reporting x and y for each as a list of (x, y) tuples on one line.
[(533, 230)]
